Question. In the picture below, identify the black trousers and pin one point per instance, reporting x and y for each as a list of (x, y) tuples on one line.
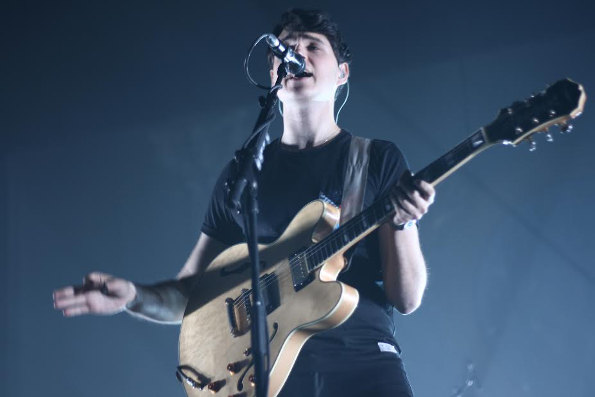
[(380, 375)]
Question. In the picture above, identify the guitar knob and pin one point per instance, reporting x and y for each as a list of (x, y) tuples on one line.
[(236, 367), (549, 137), (532, 144), (214, 387)]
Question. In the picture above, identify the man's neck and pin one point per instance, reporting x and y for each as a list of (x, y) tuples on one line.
[(308, 125)]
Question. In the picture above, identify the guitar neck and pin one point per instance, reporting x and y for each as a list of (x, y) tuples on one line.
[(441, 168), (382, 210)]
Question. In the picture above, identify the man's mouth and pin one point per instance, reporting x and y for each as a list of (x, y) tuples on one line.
[(301, 75)]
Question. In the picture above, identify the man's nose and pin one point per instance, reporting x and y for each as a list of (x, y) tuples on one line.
[(298, 49)]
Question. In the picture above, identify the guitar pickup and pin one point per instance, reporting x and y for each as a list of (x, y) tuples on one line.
[(270, 292), (300, 274)]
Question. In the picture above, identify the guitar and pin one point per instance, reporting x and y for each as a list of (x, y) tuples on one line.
[(299, 270)]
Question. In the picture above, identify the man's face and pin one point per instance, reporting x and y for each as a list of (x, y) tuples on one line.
[(322, 74)]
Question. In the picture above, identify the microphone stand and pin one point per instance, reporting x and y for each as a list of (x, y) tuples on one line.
[(248, 162)]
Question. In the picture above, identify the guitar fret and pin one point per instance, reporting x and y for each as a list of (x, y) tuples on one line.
[(318, 257)]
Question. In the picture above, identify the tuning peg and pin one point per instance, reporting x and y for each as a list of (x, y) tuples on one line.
[(549, 137), (532, 144), (566, 128)]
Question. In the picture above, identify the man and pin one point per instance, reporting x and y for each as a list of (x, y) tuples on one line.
[(360, 357)]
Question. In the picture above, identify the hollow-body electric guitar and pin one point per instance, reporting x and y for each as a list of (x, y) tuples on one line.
[(299, 270)]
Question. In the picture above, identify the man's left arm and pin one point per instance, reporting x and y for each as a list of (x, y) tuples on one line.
[(403, 265)]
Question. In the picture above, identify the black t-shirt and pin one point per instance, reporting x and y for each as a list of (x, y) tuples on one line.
[(289, 180)]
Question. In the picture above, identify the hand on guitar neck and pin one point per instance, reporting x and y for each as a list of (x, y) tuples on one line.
[(411, 199)]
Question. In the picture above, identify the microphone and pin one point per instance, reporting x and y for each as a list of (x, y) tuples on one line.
[(294, 63)]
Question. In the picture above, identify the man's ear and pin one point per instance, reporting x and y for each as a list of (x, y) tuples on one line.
[(343, 73)]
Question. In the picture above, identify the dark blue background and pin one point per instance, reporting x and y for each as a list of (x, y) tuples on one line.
[(116, 117)]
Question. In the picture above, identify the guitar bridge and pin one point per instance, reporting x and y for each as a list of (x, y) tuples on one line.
[(238, 313)]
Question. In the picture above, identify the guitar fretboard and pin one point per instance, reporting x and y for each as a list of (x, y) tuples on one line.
[(438, 170)]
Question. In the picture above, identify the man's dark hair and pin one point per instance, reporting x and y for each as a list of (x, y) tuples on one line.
[(316, 21)]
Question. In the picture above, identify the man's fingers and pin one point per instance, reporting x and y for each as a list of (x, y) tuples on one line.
[(75, 311), (421, 194), (427, 190), (414, 202), (420, 202), (100, 293), (68, 301), (64, 292), (97, 278), (411, 208), (404, 203), (79, 295), (97, 281)]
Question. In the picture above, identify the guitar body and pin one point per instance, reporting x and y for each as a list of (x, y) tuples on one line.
[(215, 330)]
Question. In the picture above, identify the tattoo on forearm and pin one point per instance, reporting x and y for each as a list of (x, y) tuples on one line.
[(163, 302)]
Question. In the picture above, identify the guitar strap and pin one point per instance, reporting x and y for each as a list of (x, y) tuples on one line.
[(354, 184)]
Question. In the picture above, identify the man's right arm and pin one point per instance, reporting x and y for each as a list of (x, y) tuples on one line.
[(165, 302), (162, 302)]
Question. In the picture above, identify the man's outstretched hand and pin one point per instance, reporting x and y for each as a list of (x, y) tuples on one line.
[(100, 293)]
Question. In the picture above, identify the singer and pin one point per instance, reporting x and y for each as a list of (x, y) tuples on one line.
[(361, 356)]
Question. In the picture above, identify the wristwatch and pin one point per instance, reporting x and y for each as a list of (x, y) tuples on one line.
[(403, 226)]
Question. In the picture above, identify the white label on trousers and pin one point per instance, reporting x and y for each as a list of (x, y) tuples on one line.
[(387, 347)]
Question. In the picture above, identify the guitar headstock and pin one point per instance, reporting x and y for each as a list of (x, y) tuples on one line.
[(557, 105)]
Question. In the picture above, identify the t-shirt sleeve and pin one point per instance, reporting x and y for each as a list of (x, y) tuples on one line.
[(220, 222), (388, 165)]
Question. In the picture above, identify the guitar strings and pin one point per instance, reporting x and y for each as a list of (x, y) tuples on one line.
[(284, 273)]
